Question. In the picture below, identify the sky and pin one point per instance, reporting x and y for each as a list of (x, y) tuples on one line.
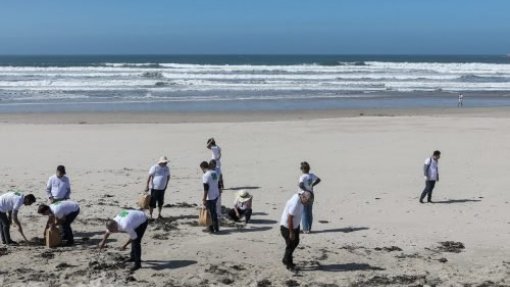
[(255, 27)]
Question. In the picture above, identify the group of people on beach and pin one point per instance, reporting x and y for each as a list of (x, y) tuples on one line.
[(297, 214)]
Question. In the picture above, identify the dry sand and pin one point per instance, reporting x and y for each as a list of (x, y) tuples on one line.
[(369, 229)]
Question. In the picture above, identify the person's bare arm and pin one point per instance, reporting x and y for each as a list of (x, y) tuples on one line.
[(167, 181), (149, 179), (102, 244), (317, 181), (126, 244), (290, 223), (14, 216)]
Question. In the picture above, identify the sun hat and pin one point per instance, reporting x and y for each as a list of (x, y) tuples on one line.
[(243, 196), (163, 159)]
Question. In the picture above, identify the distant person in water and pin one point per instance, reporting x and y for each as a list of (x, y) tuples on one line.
[(242, 207), (159, 176), (216, 155), (461, 101), (306, 183), (289, 225), (58, 186), (431, 175)]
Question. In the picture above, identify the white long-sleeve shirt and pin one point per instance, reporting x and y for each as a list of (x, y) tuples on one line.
[(58, 188)]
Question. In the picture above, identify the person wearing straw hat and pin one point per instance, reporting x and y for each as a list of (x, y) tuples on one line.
[(242, 206), (159, 176), (289, 224)]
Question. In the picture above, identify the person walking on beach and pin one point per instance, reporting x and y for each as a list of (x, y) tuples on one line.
[(431, 175), (289, 225), (58, 186), (10, 204), (461, 101), (242, 207), (159, 176), (134, 223), (306, 183), (212, 166), (62, 213), (216, 155), (211, 194)]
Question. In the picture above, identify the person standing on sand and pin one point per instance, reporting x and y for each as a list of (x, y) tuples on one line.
[(431, 175), (58, 186), (212, 166), (159, 176), (306, 183), (216, 155), (211, 194), (62, 213), (289, 225), (134, 223), (461, 101), (10, 203)]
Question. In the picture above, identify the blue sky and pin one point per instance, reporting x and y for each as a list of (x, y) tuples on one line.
[(255, 27)]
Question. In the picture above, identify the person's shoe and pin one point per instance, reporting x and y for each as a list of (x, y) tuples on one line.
[(135, 267), (129, 260), (69, 243), (160, 217), (12, 243), (421, 200), (430, 201), (306, 231)]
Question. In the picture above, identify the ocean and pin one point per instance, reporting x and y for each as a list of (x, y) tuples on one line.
[(249, 83)]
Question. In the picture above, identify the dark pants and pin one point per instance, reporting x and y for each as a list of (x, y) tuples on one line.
[(429, 187), (67, 231), (247, 214), (136, 244), (157, 196), (211, 206), (290, 245), (5, 225)]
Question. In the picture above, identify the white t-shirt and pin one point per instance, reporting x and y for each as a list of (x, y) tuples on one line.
[(308, 179), (11, 201), (211, 178), (293, 207), (216, 155), (128, 220), (59, 188), (63, 208), (432, 172), (159, 175)]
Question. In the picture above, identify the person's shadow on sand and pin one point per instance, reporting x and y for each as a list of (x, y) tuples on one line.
[(172, 264), (450, 201), (343, 267), (343, 230)]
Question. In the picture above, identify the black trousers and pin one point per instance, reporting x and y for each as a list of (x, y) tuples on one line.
[(429, 187), (247, 214), (67, 231), (290, 245), (5, 226), (136, 244), (157, 197), (211, 206)]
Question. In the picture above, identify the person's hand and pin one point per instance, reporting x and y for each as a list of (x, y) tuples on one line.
[(204, 202), (292, 236), (147, 189), (425, 178), (122, 248)]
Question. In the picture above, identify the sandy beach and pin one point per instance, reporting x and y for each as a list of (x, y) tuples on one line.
[(369, 229)]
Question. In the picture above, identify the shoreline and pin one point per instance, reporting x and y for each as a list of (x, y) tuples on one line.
[(231, 117)]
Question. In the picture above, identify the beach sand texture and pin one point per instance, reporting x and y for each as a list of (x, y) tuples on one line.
[(369, 229)]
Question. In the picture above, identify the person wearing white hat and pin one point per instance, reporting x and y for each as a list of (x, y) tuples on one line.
[(242, 206), (159, 176)]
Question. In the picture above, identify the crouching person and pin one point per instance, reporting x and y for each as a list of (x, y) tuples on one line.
[(242, 207), (134, 223), (10, 203), (61, 213)]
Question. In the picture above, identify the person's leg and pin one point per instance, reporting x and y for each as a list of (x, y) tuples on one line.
[(432, 184), (425, 190), (305, 219), (294, 244), (232, 214), (161, 200), (310, 216), (247, 215), (285, 234), (136, 245), (218, 208), (152, 203), (69, 232), (4, 228), (211, 205)]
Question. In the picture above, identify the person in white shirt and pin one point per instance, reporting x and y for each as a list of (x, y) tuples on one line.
[(58, 186), (306, 183), (159, 177), (289, 225), (216, 156), (62, 213), (212, 166), (134, 223), (242, 206), (211, 194), (431, 175), (10, 204), (461, 101)]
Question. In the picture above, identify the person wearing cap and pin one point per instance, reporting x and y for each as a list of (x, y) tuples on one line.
[(62, 213), (10, 203), (211, 194), (134, 223), (212, 166), (159, 176), (289, 225), (242, 206), (431, 175), (306, 183), (216, 156), (58, 186)]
